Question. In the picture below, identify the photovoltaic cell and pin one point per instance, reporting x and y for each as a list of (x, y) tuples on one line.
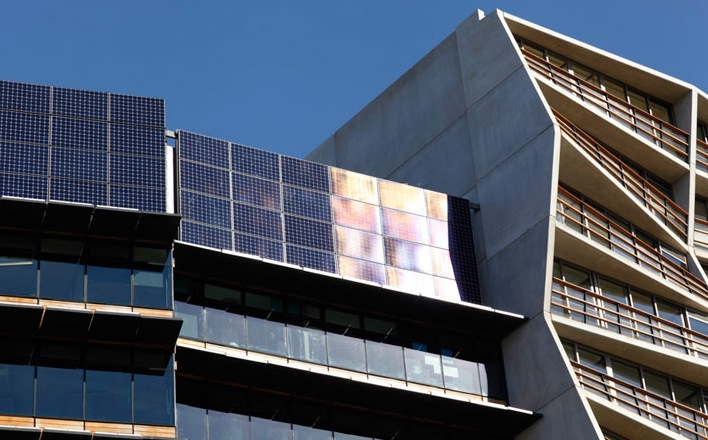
[(78, 191), (80, 104), (204, 149), (22, 127), (137, 139), (256, 191), (205, 235), (137, 110), (307, 203), (204, 179), (313, 259), (362, 270), (17, 185), (136, 197), (306, 174), (255, 162), (308, 233), (79, 164), (206, 209), (259, 246), (408, 255), (27, 159), (137, 170), (257, 221), (76, 133), (24, 97)]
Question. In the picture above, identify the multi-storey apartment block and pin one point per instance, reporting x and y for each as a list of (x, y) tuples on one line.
[(522, 257)]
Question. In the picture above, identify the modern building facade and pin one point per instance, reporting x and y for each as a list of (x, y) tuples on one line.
[(507, 243), (590, 174)]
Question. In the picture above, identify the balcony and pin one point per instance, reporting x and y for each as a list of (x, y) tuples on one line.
[(583, 305), (702, 155), (665, 209), (651, 128), (577, 215), (667, 413)]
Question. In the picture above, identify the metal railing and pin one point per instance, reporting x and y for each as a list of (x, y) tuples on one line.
[(655, 130), (592, 308), (592, 223), (672, 415), (656, 201), (701, 155)]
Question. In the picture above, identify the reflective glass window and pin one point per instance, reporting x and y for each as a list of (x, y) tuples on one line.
[(307, 433), (60, 280), (266, 336), (461, 375), (192, 320), (19, 276), (60, 392), (152, 288), (16, 389), (227, 426), (225, 328), (307, 344), (269, 429), (191, 422), (422, 367), (154, 398), (614, 88), (345, 352), (108, 285), (108, 396), (660, 111), (221, 293)]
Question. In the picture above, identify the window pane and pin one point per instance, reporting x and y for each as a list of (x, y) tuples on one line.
[(108, 285), (385, 360), (60, 393), (108, 396), (461, 375), (422, 367), (19, 276), (61, 281), (305, 433), (227, 426), (266, 336), (191, 422), (16, 389), (152, 288), (225, 328), (268, 429), (192, 320), (154, 398)]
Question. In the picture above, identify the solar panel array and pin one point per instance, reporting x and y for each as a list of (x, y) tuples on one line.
[(286, 209), (81, 146)]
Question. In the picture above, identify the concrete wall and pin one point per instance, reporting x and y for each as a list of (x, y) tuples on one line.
[(468, 120)]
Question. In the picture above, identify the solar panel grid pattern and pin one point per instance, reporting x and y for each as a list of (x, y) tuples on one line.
[(82, 146), (324, 218)]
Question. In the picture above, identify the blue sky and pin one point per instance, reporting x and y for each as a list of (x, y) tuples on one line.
[(284, 74)]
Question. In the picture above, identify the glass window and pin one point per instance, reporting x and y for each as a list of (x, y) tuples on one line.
[(61, 280), (227, 426), (19, 276), (108, 396), (191, 422), (461, 375), (219, 293), (154, 398), (192, 320), (345, 352), (614, 88), (225, 328), (60, 393), (385, 360), (152, 288), (307, 344), (306, 433), (422, 367), (266, 336), (108, 285), (268, 429), (660, 111), (16, 389)]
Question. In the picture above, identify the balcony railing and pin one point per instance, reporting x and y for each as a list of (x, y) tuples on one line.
[(701, 155), (331, 349), (592, 308), (672, 415), (655, 130), (592, 223), (665, 209)]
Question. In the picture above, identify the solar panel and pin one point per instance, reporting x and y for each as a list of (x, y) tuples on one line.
[(24, 97), (323, 261), (306, 203), (204, 149), (136, 139), (77, 133), (135, 197), (257, 221), (310, 233), (204, 179), (79, 191), (255, 162), (137, 170), (20, 185), (80, 104), (305, 174), (256, 191), (258, 246), (137, 110), (24, 127), (205, 209), (26, 159), (79, 164), (205, 235)]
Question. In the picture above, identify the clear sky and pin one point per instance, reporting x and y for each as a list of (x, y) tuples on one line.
[(285, 74)]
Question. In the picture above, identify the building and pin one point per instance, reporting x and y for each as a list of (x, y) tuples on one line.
[(590, 172), (165, 284)]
